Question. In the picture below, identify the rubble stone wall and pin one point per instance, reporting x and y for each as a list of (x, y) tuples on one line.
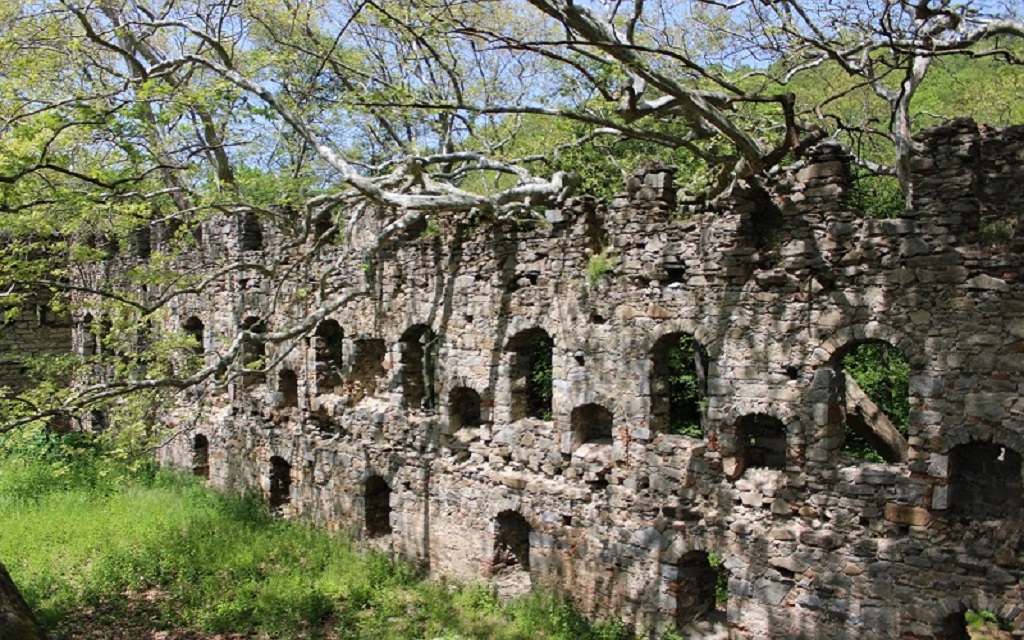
[(776, 287)]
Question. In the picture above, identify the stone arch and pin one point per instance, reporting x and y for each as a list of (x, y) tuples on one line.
[(464, 409), (377, 507), (194, 328), (511, 542), (678, 384), (864, 428), (280, 483), (761, 442), (328, 354), (87, 330), (201, 456), (530, 373), (250, 233), (953, 613), (985, 481), (417, 367), (288, 387), (839, 343), (591, 423)]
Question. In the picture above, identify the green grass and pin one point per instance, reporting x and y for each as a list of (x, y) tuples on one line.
[(73, 539)]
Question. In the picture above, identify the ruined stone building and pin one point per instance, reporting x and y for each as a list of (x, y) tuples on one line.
[(418, 416)]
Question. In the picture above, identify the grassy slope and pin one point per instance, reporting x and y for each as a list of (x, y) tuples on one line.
[(77, 540)]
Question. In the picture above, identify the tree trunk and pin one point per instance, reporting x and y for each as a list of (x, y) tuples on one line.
[(867, 419), (16, 619)]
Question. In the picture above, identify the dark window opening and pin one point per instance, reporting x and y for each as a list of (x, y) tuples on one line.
[(463, 409), (323, 228), (530, 369), (194, 328), (378, 507), (88, 332), (104, 340), (417, 367), (253, 351), (251, 235), (512, 542), (678, 385), (201, 456), (698, 584), (280, 483), (591, 423), (140, 242), (876, 379), (984, 481), (328, 346), (144, 342), (288, 387), (674, 274), (760, 443), (98, 421)]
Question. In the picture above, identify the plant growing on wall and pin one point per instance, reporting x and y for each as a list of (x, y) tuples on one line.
[(599, 265)]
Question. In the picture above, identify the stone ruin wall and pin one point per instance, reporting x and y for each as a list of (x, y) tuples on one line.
[(776, 289)]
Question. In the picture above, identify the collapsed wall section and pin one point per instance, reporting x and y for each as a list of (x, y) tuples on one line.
[(497, 409)]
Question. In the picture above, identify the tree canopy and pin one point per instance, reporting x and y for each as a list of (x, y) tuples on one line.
[(114, 115)]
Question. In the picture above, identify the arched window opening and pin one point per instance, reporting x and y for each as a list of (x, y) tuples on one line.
[(88, 332), (591, 423), (324, 229), (144, 342), (288, 387), (280, 483), (140, 242), (760, 442), (511, 542), (698, 583), (98, 421), (463, 409), (328, 347), (194, 329), (253, 351), (530, 369), (876, 394), (417, 352), (201, 456), (367, 364), (377, 503), (104, 339), (250, 233), (984, 481), (974, 623), (678, 385)]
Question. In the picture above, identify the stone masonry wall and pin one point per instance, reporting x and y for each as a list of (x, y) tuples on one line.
[(776, 286)]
